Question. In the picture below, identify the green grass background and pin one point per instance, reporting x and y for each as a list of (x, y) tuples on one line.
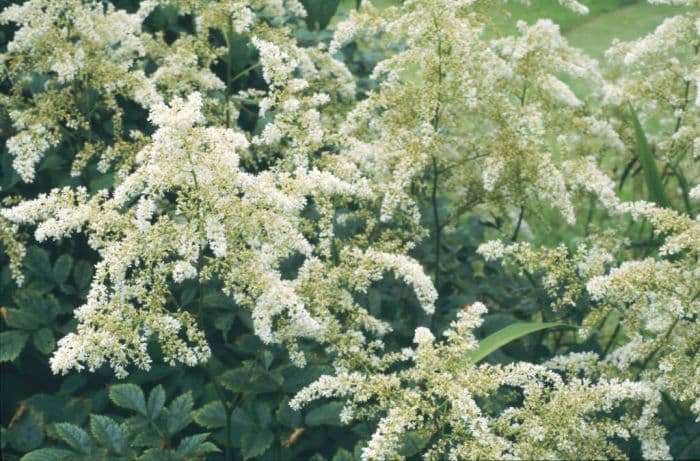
[(607, 20)]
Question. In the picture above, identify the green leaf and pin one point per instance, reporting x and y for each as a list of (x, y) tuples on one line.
[(42, 308), (240, 418), (109, 433), (343, 455), (38, 262), (11, 344), (156, 401), (196, 444), (82, 275), (413, 443), (61, 268), (255, 442), (155, 454), (655, 187), (327, 414), (128, 396), (288, 417), (319, 12), (224, 322), (245, 380), (48, 454), (28, 433), (211, 415), (263, 414), (218, 300), (44, 340), (21, 319), (179, 413), (507, 335), (146, 437), (74, 437)]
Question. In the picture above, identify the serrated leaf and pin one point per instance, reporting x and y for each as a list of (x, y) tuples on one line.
[(327, 414), (211, 415), (48, 454), (155, 454), (27, 433), (156, 402), (508, 334), (74, 437), (24, 320), (82, 274), (245, 380), (40, 285), (128, 396), (147, 437), (44, 340), (655, 187), (179, 413), (241, 418), (255, 442), (413, 443), (196, 444), (61, 268), (11, 344), (109, 434), (43, 308)]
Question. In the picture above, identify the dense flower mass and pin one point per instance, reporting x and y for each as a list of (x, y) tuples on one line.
[(304, 200)]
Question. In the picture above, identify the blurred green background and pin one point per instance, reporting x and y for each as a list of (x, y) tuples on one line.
[(607, 20)]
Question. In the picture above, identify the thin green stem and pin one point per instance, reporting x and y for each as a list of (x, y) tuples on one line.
[(436, 219), (611, 341), (517, 227), (436, 173), (658, 348), (227, 37)]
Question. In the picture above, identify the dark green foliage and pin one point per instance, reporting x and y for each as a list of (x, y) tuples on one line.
[(319, 12), (150, 433), (236, 407)]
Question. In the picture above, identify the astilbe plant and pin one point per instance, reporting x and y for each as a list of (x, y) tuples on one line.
[(220, 183)]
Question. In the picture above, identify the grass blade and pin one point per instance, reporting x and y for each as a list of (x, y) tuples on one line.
[(508, 334), (651, 175)]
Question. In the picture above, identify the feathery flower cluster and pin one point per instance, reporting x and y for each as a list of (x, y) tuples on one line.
[(338, 179), (85, 47), (249, 223), (656, 297), (437, 399), (479, 115)]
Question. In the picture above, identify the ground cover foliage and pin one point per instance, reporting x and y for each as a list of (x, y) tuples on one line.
[(285, 230)]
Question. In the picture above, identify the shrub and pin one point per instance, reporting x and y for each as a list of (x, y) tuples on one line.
[(401, 233)]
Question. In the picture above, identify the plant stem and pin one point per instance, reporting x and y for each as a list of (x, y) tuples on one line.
[(517, 227), (227, 36), (611, 341), (433, 195), (436, 219)]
